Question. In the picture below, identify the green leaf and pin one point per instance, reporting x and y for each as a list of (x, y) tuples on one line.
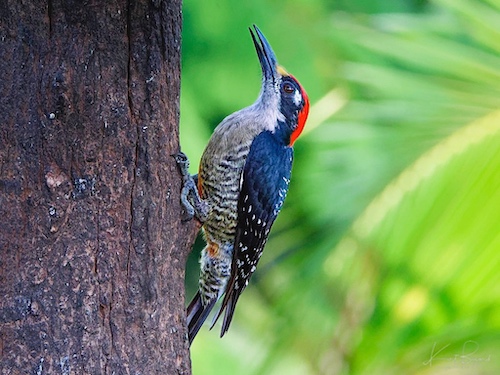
[(435, 234)]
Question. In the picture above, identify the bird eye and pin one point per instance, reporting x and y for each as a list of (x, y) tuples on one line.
[(288, 88)]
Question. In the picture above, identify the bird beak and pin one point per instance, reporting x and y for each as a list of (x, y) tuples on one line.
[(267, 58)]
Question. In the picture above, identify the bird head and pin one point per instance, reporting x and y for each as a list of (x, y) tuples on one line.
[(281, 93)]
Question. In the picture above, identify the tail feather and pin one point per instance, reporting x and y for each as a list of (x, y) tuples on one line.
[(228, 304), (228, 316), (197, 313)]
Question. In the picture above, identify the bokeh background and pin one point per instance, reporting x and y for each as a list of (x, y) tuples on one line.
[(386, 256)]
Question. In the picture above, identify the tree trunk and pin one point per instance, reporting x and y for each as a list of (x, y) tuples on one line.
[(91, 242)]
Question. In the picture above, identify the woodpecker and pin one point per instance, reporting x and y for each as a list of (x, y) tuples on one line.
[(241, 184)]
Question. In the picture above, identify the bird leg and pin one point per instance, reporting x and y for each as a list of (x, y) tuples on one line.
[(190, 199)]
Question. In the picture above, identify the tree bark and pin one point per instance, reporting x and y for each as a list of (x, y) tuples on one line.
[(92, 246)]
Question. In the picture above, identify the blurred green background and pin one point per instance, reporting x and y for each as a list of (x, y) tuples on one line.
[(386, 256)]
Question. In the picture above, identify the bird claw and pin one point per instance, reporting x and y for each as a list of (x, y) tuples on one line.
[(190, 199), (188, 216), (182, 162)]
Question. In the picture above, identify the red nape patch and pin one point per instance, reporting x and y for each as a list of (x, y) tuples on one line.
[(301, 121)]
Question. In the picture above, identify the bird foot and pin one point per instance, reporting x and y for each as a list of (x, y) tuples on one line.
[(190, 199)]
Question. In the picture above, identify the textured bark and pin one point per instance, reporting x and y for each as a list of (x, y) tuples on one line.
[(91, 242)]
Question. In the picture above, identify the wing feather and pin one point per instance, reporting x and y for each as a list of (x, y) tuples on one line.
[(264, 186)]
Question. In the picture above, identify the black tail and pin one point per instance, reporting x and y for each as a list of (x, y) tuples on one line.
[(229, 304), (197, 314)]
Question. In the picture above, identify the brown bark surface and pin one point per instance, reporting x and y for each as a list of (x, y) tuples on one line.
[(91, 242)]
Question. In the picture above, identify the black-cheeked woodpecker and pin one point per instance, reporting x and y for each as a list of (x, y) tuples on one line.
[(241, 185)]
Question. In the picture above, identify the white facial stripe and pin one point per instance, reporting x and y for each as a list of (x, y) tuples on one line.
[(297, 98)]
